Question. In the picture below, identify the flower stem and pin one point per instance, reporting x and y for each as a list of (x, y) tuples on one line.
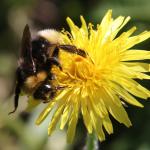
[(92, 142)]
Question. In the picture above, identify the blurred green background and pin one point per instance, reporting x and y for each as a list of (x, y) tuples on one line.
[(18, 131)]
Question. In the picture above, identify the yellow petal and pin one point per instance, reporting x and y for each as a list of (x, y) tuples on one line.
[(108, 124), (105, 23), (84, 27), (93, 102), (97, 124), (118, 24), (133, 87), (118, 112), (136, 39), (65, 116), (72, 123), (135, 55), (125, 95), (45, 112), (128, 72), (86, 115), (74, 29), (55, 119), (138, 66)]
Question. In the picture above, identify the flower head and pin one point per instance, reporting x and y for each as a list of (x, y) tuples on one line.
[(97, 84)]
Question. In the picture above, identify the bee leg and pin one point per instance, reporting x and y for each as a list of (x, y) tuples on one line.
[(60, 87), (55, 56), (73, 49), (56, 52), (51, 96), (51, 76), (52, 61), (46, 101), (16, 99), (17, 90)]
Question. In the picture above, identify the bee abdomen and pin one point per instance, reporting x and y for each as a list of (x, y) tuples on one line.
[(33, 81)]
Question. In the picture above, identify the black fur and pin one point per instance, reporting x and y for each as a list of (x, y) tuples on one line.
[(35, 58)]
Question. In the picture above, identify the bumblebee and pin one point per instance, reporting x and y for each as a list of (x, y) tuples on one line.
[(37, 57)]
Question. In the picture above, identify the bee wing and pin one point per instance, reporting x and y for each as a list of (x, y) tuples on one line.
[(26, 48)]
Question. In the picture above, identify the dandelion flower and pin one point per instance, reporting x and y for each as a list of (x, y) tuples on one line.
[(95, 84)]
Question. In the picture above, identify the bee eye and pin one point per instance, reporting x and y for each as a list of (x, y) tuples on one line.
[(43, 45)]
